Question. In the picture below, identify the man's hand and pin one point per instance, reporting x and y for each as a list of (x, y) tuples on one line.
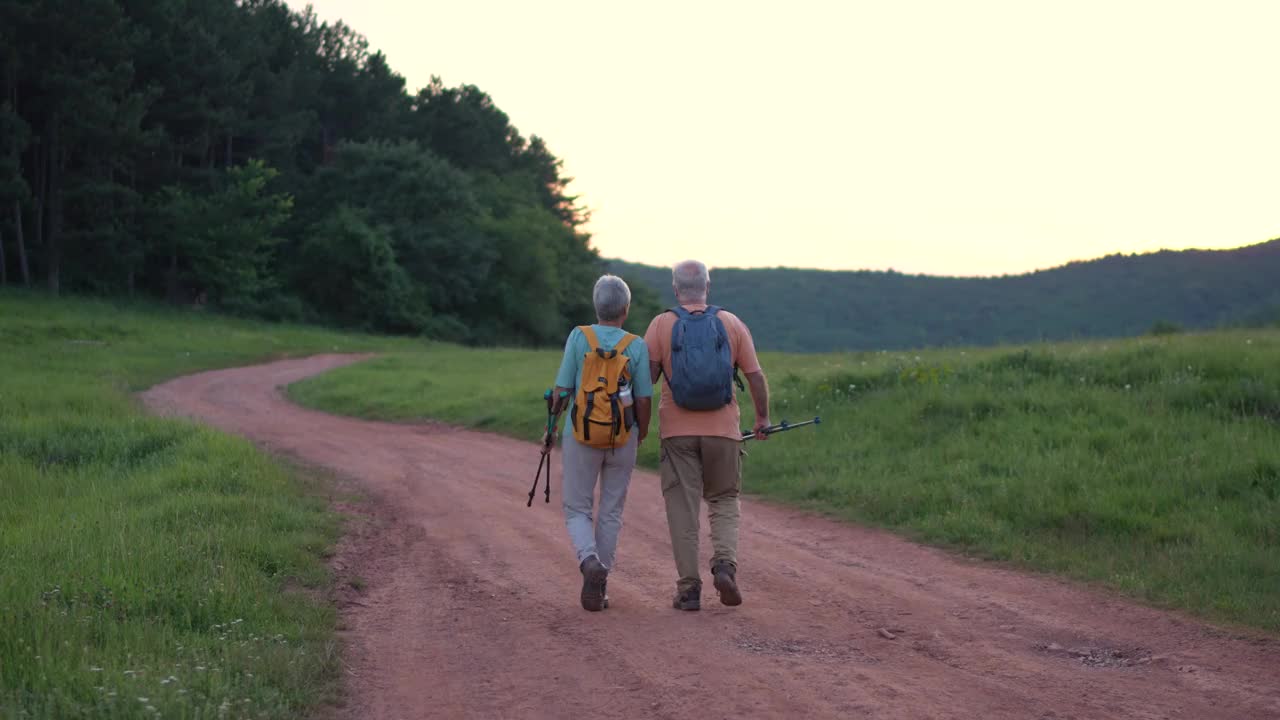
[(548, 441), (761, 424)]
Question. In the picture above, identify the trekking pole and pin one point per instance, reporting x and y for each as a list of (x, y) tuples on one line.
[(780, 427), (547, 444)]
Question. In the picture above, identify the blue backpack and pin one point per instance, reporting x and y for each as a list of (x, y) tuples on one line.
[(702, 370)]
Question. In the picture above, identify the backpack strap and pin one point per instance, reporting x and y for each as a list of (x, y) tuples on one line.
[(626, 340), (680, 312), (590, 334), (622, 345)]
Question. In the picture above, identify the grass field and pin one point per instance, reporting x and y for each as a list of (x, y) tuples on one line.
[(1149, 465), (148, 567)]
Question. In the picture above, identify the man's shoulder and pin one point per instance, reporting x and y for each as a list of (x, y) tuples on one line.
[(657, 323), (729, 319), (576, 342)]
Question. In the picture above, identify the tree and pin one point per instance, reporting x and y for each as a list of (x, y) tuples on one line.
[(156, 146), (14, 136), (222, 244), (425, 206), (77, 94), (347, 269)]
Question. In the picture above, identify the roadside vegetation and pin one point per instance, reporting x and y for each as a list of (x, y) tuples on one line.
[(150, 567)]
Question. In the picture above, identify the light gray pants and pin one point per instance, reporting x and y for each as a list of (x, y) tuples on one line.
[(583, 467)]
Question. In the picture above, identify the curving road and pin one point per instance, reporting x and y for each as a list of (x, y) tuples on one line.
[(468, 601)]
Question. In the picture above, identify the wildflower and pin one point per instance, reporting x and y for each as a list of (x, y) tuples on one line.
[(142, 699)]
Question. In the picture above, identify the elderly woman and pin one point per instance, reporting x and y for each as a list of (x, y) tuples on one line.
[(585, 463)]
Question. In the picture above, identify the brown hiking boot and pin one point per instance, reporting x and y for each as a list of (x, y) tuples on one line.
[(593, 580), (690, 599), (726, 584)]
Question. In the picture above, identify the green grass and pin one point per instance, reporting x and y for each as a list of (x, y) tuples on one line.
[(1150, 465), (151, 567)]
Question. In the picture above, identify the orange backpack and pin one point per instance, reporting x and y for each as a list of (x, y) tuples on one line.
[(599, 419)]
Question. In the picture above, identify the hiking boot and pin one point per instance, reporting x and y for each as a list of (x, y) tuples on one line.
[(593, 580), (690, 599), (726, 585)]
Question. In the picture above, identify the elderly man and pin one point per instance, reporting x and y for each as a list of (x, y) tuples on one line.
[(700, 348), (593, 450)]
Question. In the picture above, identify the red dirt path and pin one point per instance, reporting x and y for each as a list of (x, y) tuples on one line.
[(469, 601)]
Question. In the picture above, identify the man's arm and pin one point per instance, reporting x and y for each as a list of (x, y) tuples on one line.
[(760, 398), (565, 377), (654, 342), (644, 412)]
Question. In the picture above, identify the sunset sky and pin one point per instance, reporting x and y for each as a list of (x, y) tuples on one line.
[(959, 138)]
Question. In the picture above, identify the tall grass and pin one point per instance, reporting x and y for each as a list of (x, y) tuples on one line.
[(149, 567), (1150, 465)]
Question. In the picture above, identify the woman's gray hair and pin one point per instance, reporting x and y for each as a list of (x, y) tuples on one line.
[(690, 279), (611, 297)]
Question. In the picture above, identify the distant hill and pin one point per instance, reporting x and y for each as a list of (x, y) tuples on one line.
[(821, 310)]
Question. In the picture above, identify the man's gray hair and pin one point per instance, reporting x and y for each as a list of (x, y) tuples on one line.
[(690, 279), (611, 298)]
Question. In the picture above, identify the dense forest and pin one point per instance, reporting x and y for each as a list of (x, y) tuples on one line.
[(245, 156), (815, 310)]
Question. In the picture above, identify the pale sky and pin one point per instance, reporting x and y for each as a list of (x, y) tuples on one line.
[(948, 137)]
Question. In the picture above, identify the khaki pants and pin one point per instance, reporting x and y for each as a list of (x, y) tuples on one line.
[(694, 469)]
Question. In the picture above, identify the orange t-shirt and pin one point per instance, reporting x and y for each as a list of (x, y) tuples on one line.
[(675, 421)]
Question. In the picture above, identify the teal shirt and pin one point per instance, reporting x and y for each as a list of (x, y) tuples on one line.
[(576, 346)]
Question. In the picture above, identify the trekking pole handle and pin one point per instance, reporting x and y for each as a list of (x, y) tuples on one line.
[(780, 427), (552, 416)]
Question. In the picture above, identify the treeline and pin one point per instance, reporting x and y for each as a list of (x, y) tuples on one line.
[(1119, 295), (242, 155)]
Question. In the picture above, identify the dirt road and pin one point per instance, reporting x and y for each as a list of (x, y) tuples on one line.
[(469, 602)]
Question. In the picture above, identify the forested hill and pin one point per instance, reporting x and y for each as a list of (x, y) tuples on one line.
[(244, 156), (814, 310)]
